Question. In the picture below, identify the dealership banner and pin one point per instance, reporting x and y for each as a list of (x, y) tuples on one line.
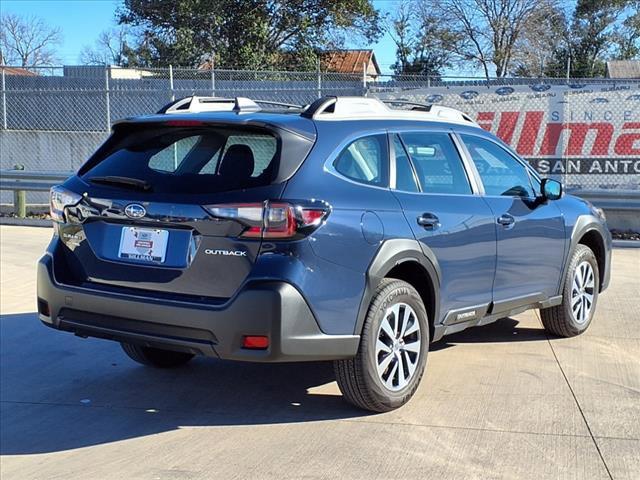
[(588, 135)]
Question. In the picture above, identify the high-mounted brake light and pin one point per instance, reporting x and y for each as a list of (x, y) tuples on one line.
[(273, 219), (183, 123)]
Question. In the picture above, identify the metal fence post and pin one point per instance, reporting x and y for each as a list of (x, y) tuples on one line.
[(213, 79), (319, 80), (107, 74), (4, 101), (364, 78), (20, 198), (173, 97)]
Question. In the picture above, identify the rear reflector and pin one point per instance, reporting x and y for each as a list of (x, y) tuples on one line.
[(274, 219), (255, 342)]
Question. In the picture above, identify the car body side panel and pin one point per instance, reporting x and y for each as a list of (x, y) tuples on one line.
[(464, 245), (531, 251), (343, 247), (393, 252), (580, 219)]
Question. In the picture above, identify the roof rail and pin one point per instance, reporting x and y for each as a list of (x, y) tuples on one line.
[(279, 104), (195, 104), (343, 106), (363, 107), (422, 107)]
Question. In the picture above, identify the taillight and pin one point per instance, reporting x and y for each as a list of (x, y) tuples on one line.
[(274, 219), (59, 199)]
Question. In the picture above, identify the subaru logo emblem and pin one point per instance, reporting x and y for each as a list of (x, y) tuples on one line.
[(135, 210)]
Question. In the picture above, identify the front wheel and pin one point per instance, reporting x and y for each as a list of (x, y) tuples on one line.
[(579, 296), (392, 355), (155, 357)]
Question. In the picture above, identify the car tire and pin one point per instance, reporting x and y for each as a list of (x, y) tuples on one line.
[(579, 296), (384, 377), (155, 357)]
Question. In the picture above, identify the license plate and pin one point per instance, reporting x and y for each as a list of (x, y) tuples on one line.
[(147, 244)]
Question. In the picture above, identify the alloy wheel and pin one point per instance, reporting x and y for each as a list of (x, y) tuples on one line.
[(582, 292), (398, 346)]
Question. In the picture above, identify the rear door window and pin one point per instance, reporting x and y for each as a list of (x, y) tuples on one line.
[(437, 162), (193, 160)]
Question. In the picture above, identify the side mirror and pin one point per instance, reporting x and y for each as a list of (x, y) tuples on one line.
[(551, 189)]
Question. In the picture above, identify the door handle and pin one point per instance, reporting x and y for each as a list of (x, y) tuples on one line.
[(429, 221), (506, 220)]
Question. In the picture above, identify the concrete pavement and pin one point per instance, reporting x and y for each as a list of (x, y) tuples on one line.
[(501, 401)]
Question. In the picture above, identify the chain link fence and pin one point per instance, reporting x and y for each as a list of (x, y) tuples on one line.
[(584, 131)]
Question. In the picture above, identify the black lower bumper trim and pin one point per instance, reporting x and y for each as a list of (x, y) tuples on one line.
[(273, 309)]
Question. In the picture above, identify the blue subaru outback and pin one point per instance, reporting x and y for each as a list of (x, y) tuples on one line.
[(345, 230)]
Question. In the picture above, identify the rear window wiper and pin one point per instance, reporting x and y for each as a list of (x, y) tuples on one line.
[(129, 182)]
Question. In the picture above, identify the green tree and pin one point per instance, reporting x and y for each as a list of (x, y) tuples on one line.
[(592, 28), (423, 45), (254, 34), (597, 30), (400, 26), (627, 38)]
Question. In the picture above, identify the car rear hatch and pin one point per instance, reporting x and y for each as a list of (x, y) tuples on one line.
[(175, 208)]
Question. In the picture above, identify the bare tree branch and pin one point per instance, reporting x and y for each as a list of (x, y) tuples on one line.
[(488, 29), (27, 41), (111, 48)]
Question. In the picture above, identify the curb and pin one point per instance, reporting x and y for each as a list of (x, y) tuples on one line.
[(26, 222)]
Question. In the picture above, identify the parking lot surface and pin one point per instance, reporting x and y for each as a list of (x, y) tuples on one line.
[(501, 401)]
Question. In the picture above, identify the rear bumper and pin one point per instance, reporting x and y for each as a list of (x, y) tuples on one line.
[(274, 309)]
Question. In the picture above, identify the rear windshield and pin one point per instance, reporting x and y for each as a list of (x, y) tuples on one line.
[(189, 160)]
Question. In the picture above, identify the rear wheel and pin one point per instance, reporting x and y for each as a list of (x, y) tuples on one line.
[(392, 356), (579, 296), (155, 357)]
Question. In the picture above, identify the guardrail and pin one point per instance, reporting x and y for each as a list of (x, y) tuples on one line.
[(611, 199), (21, 181), (31, 181)]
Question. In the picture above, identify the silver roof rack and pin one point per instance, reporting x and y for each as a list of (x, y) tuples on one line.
[(195, 104), (352, 108), (325, 108)]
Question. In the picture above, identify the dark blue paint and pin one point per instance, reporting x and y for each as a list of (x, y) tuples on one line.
[(480, 261)]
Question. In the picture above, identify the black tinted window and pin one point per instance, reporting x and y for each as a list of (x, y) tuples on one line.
[(405, 179), (365, 160), (500, 172), (437, 162), (195, 160)]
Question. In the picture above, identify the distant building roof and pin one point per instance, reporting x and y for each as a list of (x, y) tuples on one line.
[(350, 61), (17, 71), (623, 69)]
